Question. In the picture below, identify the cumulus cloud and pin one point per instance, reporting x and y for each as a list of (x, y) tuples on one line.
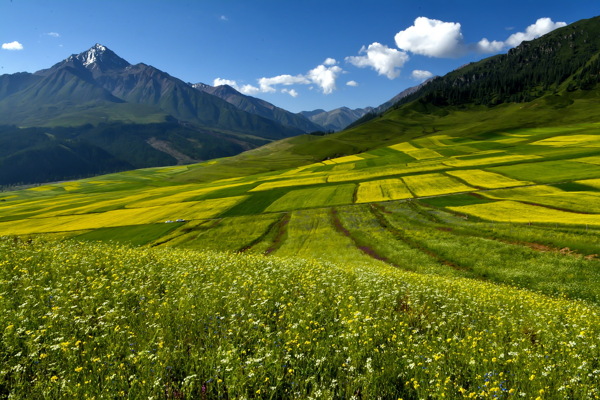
[(485, 46), (53, 34), (291, 92), (435, 38), (325, 77), (421, 75), (266, 84), (352, 83), (220, 82), (384, 60), (533, 31), (12, 46), (246, 89), (249, 90), (223, 18), (432, 37)]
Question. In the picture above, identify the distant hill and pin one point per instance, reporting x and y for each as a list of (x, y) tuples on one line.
[(405, 93), (562, 61), (259, 107), (548, 82), (335, 120), (109, 100), (388, 104)]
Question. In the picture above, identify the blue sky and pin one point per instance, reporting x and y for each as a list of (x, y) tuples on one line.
[(299, 55)]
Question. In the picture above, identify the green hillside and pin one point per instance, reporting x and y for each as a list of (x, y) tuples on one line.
[(440, 267)]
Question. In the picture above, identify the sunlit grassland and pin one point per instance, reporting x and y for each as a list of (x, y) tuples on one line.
[(549, 171), (595, 183), (137, 235), (106, 321), (387, 274), (434, 184), (476, 252), (291, 183), (407, 273), (514, 211), (227, 234), (580, 201), (485, 179), (330, 195), (571, 140), (489, 160), (121, 217), (590, 160), (382, 190), (111, 200)]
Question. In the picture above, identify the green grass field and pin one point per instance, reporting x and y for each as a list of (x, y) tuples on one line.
[(446, 266)]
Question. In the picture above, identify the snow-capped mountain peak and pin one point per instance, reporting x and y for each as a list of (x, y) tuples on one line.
[(100, 57)]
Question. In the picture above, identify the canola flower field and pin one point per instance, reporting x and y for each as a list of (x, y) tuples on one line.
[(437, 268), (105, 321)]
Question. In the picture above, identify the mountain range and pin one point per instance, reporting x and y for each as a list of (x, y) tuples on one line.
[(337, 119), (94, 112), (259, 107), (308, 121), (125, 116)]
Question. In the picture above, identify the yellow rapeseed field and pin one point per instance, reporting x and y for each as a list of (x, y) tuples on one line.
[(456, 162), (514, 211), (382, 190), (423, 154), (121, 217), (403, 147), (434, 184), (571, 140), (313, 180), (484, 179), (591, 182)]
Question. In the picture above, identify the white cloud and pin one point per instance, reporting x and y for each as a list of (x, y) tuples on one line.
[(384, 60), (485, 46), (533, 31), (246, 89), (325, 77), (432, 37), (421, 75), (291, 92), (53, 34), (266, 84), (352, 83), (541, 27), (220, 82), (223, 18), (249, 90), (12, 46), (435, 38)]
